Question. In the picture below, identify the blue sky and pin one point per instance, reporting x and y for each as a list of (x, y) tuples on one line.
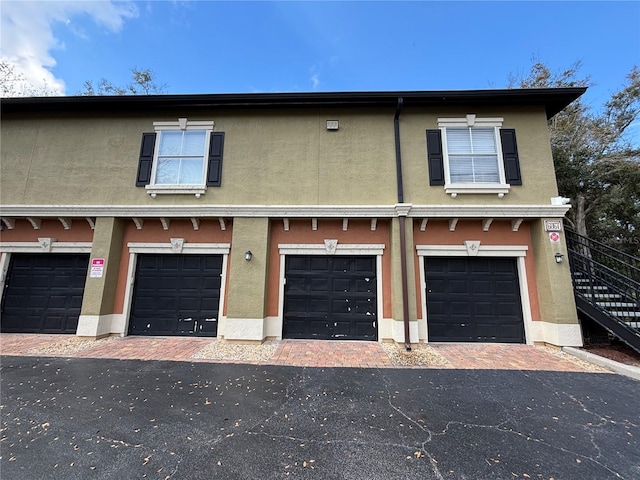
[(222, 47)]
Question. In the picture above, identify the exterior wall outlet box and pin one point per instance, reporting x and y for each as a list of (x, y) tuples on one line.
[(332, 125)]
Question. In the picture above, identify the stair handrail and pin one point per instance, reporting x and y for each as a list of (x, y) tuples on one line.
[(605, 255)]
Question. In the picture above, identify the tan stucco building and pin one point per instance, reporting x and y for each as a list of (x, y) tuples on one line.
[(386, 216)]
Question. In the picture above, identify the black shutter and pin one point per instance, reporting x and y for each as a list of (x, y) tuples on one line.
[(510, 156), (435, 157), (214, 172), (146, 159)]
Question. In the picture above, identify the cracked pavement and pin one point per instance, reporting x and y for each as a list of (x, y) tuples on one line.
[(72, 418)]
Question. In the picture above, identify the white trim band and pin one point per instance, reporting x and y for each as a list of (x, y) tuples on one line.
[(288, 211)]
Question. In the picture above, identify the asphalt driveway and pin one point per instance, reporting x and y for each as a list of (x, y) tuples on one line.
[(74, 418)]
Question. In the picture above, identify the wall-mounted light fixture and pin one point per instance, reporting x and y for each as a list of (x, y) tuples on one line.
[(248, 255), (559, 257)]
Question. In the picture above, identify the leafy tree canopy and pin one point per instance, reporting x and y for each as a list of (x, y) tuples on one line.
[(597, 162), (143, 82)]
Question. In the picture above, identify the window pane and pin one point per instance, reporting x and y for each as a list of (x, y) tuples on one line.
[(485, 169), (193, 142), (170, 143), (458, 140), (167, 171), (191, 171), (461, 169), (483, 140)]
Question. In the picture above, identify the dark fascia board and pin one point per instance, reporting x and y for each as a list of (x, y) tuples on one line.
[(553, 100)]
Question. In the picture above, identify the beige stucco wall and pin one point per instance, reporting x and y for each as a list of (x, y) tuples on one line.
[(283, 157)]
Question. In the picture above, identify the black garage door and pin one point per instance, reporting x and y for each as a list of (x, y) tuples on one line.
[(473, 299), (43, 293), (176, 295), (330, 297)]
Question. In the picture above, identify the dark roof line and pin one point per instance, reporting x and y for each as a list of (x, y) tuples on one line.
[(554, 100)]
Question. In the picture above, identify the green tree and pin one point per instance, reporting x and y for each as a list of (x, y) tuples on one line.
[(597, 164), (143, 82)]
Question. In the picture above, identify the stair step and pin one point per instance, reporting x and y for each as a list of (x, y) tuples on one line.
[(633, 324), (626, 314), (609, 296), (591, 287), (617, 304)]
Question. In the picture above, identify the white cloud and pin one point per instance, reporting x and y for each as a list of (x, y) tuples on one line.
[(315, 80), (27, 40)]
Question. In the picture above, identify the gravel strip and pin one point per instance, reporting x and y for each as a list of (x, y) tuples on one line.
[(420, 356), (221, 350), (591, 367), (70, 346)]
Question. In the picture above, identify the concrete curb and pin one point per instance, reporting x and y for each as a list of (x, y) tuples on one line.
[(617, 367)]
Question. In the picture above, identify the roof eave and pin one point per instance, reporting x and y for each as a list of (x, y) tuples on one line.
[(553, 99)]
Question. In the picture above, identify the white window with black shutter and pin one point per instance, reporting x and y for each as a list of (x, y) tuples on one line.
[(183, 157), (473, 155)]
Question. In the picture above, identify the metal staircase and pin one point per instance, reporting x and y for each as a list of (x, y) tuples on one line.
[(606, 285)]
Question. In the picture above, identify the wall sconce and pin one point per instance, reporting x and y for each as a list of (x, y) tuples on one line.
[(559, 257), (248, 255)]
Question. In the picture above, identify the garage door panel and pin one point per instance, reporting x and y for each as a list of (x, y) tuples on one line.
[(483, 309), (476, 299), (318, 264), (460, 308), (318, 284), (340, 306), (191, 283), (341, 264), (341, 285), (481, 287), (366, 307), (364, 265), (57, 301), (365, 285), (459, 287), (188, 303), (176, 295), (343, 295), (210, 304)]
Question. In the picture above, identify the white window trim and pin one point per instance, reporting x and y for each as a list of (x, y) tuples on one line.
[(517, 251), (181, 124), (471, 120)]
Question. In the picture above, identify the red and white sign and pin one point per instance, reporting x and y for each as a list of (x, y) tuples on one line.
[(97, 267), (554, 237)]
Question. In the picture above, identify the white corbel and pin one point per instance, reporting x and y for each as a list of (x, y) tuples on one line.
[(314, 224), (486, 223), (345, 224), (374, 224), (196, 223), (139, 222), (285, 222), (452, 224), (515, 224), (10, 223), (91, 222), (165, 223), (35, 222), (423, 224), (223, 224), (66, 222)]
